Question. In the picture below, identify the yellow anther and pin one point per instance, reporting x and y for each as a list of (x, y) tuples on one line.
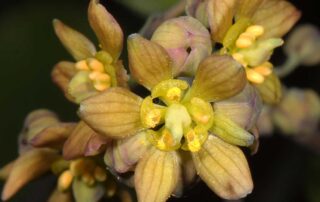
[(65, 180), (193, 141), (240, 58), (153, 118), (82, 65), (101, 86), (77, 167), (88, 179), (254, 76), (100, 174), (94, 75), (245, 40), (174, 94), (95, 65), (101, 81), (103, 77), (256, 30), (265, 69), (166, 141)]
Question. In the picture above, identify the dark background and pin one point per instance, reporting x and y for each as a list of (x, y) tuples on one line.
[(283, 171)]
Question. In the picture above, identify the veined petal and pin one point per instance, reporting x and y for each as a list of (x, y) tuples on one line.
[(77, 44), (243, 109), (36, 162), (122, 155), (187, 42), (114, 113), (106, 28), (270, 89), (149, 62), (53, 136), (218, 77), (230, 132), (62, 74), (84, 193), (224, 168), (156, 176), (246, 8), (220, 14), (83, 141), (276, 17)]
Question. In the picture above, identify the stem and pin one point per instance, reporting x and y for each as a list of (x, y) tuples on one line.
[(289, 66), (155, 20)]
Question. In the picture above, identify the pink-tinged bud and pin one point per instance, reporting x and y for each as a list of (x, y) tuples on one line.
[(298, 112), (186, 40)]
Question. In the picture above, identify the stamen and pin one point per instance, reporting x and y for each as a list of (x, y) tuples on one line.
[(65, 180), (174, 94), (100, 174), (88, 178), (245, 40), (254, 76), (193, 141), (82, 65), (265, 69), (100, 86), (153, 118), (95, 65), (256, 30), (240, 58)]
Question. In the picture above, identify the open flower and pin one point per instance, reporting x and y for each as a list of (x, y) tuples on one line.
[(175, 118), (249, 30), (94, 71)]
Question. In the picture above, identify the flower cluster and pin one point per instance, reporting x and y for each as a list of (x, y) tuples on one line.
[(200, 106)]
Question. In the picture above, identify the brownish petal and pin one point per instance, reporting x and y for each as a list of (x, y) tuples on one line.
[(6, 170), (106, 28), (53, 136), (218, 77), (62, 74), (277, 18), (122, 155), (77, 44), (220, 14), (114, 113), (121, 74), (246, 8), (83, 141), (149, 62), (224, 168), (35, 162), (156, 176)]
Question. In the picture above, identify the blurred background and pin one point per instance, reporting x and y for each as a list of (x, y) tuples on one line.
[(282, 170)]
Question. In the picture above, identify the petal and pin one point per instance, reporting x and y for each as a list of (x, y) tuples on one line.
[(36, 162), (198, 10), (220, 14), (83, 141), (156, 176), (277, 18), (243, 109), (149, 62), (230, 131), (270, 89), (218, 77), (122, 155), (84, 193), (6, 170), (114, 113), (77, 44), (62, 74), (121, 74), (81, 87), (187, 42), (59, 196), (246, 8), (106, 28), (53, 136), (224, 168)]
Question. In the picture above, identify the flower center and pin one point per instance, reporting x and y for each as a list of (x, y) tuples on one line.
[(174, 123), (101, 80)]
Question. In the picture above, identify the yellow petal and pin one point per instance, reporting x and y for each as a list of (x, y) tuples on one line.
[(149, 62), (223, 168), (156, 176), (113, 113), (83, 141), (270, 89), (276, 17), (218, 77), (122, 155), (230, 132), (77, 44), (243, 109), (220, 14), (106, 28), (35, 162), (246, 8), (53, 136), (62, 74)]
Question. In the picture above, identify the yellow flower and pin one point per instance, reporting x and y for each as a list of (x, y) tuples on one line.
[(249, 30), (175, 118), (93, 71)]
